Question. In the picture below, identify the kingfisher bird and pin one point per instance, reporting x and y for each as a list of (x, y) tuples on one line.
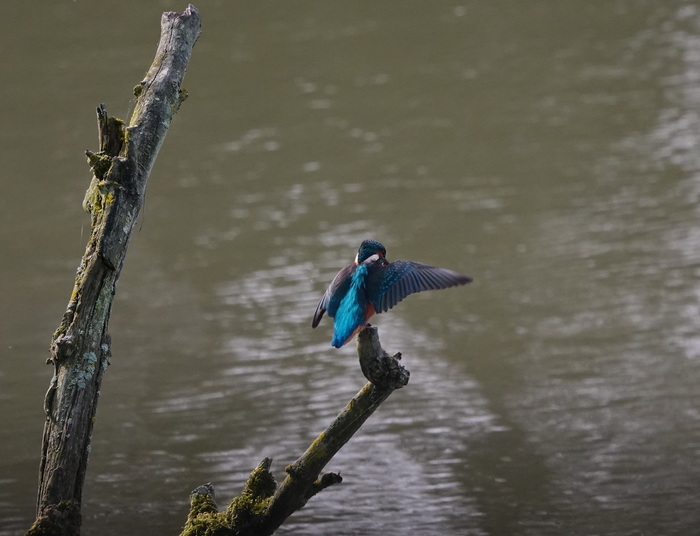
[(372, 285)]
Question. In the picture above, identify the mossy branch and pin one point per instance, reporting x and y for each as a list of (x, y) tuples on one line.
[(80, 349), (263, 506)]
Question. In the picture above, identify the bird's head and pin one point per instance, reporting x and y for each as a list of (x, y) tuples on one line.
[(370, 251)]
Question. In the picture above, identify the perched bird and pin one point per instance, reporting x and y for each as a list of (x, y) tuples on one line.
[(372, 285)]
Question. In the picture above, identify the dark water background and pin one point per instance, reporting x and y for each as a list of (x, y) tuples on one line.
[(549, 149)]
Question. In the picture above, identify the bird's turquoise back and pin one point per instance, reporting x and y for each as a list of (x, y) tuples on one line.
[(352, 310)]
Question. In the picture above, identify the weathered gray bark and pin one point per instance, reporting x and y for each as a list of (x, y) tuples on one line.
[(80, 348), (262, 506)]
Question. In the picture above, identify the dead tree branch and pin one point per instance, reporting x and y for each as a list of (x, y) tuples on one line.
[(262, 506), (80, 348)]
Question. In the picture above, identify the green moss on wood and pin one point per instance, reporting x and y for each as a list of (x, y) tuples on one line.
[(245, 511), (202, 502), (207, 524), (99, 196), (99, 163), (204, 518), (181, 97)]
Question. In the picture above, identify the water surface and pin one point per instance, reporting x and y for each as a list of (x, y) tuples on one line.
[(550, 151)]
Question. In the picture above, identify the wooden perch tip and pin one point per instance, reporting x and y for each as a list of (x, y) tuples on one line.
[(380, 368)]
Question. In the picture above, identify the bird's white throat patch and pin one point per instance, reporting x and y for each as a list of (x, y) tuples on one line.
[(368, 260)]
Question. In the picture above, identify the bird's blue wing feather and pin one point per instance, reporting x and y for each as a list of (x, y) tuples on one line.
[(333, 295), (389, 283)]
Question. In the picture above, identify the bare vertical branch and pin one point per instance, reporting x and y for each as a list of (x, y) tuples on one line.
[(80, 348)]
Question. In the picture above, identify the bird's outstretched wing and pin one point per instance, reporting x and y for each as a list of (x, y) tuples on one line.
[(389, 283), (334, 293)]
